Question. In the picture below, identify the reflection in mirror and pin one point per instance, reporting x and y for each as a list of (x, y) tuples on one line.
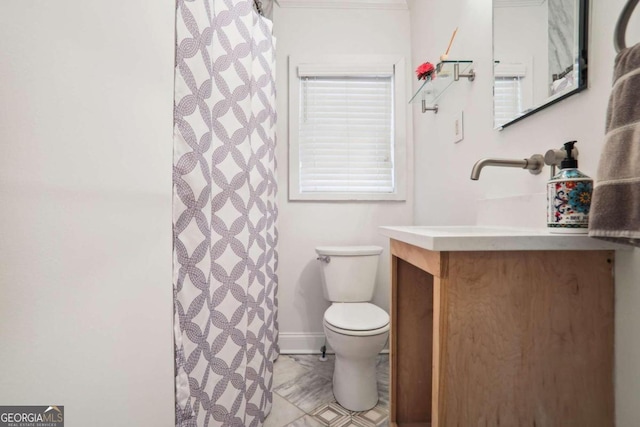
[(540, 55)]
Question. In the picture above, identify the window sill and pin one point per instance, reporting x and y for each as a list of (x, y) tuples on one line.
[(346, 197)]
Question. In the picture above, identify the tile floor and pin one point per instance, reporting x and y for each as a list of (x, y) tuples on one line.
[(303, 395)]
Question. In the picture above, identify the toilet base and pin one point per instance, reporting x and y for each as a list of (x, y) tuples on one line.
[(355, 384)]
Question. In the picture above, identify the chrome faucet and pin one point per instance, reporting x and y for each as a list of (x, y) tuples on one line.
[(534, 164), (554, 158)]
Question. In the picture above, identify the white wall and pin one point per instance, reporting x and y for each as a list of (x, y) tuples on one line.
[(85, 183), (305, 225), (445, 194)]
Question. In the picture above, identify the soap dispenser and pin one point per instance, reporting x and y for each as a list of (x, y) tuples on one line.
[(569, 196)]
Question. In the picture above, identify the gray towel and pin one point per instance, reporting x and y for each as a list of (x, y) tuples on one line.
[(615, 209)]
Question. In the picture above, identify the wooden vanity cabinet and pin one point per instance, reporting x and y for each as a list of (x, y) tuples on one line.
[(501, 338)]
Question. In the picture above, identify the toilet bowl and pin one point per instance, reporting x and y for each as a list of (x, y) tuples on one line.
[(356, 329), (355, 384)]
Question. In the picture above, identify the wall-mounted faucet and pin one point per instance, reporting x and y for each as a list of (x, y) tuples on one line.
[(534, 164), (553, 157)]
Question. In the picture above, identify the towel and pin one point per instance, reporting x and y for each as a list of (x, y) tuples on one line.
[(615, 208)]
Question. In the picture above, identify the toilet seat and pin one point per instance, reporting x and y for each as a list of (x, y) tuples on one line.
[(353, 333), (356, 319)]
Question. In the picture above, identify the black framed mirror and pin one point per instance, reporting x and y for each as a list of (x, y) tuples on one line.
[(540, 55)]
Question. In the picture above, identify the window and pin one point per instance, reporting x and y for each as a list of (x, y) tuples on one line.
[(346, 130), (507, 98), (508, 93)]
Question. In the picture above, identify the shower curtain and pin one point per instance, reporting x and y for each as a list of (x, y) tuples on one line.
[(224, 214)]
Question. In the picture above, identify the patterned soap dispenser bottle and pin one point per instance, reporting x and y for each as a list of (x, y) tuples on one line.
[(569, 196)]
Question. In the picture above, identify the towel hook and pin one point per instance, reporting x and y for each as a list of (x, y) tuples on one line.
[(621, 26)]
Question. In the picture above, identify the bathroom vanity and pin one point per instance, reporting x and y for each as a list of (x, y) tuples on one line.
[(500, 327)]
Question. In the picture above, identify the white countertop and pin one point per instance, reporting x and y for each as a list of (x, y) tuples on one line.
[(480, 238)]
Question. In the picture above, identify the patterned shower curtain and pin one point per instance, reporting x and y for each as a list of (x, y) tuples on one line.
[(224, 214)]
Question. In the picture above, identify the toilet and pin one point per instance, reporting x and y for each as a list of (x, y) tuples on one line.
[(356, 329)]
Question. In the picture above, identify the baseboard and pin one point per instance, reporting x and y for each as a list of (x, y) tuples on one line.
[(305, 343), (301, 343)]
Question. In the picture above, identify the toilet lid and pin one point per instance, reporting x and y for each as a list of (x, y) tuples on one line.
[(356, 316)]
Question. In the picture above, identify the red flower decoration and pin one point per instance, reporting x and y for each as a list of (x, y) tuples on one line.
[(426, 70)]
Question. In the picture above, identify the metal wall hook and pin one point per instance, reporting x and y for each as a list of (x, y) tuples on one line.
[(471, 75), (433, 108)]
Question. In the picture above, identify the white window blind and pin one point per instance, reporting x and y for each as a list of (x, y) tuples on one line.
[(507, 92), (507, 98), (346, 132)]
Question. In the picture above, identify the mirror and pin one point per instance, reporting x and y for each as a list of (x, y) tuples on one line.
[(539, 53)]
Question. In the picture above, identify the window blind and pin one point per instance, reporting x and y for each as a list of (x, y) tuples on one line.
[(508, 92), (346, 134), (507, 98)]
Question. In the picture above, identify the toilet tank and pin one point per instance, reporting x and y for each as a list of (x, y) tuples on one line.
[(350, 273)]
